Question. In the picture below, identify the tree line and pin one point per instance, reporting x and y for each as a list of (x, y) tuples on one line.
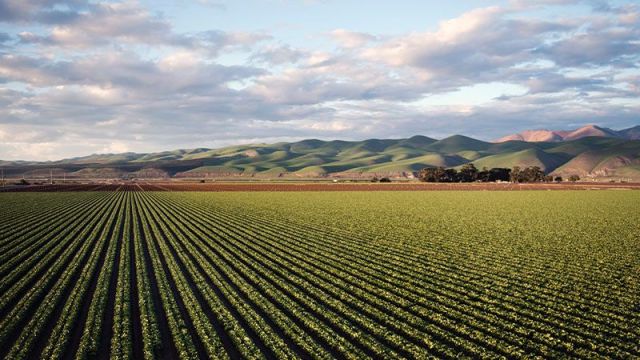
[(469, 173)]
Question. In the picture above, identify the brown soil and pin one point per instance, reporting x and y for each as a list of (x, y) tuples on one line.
[(318, 186)]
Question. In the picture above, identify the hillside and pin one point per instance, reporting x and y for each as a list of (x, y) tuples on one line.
[(529, 157), (595, 156), (544, 135)]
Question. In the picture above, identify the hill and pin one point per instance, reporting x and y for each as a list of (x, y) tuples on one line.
[(523, 158), (564, 135), (593, 156)]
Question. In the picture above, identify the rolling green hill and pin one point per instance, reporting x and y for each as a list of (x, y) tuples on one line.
[(588, 156), (523, 158)]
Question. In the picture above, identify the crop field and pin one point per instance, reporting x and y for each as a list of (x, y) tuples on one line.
[(413, 274)]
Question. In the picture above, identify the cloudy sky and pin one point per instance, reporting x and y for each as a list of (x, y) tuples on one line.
[(80, 77)]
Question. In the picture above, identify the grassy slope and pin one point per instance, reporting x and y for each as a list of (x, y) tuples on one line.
[(414, 163), (615, 154), (523, 158), (316, 157)]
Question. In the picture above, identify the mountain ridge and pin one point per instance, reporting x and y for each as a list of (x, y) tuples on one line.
[(591, 156), (545, 135)]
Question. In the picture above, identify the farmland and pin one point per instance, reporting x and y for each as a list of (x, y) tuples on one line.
[(350, 274)]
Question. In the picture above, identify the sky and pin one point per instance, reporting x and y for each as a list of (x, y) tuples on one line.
[(79, 77)]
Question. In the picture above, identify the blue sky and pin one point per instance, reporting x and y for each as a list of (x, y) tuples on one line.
[(311, 17), (80, 77)]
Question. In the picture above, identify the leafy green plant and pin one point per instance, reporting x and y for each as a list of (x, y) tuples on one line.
[(320, 275)]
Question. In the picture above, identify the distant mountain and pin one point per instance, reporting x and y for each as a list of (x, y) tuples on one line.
[(564, 135), (631, 133), (600, 155)]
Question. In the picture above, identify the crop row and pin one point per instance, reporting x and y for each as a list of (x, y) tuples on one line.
[(145, 274)]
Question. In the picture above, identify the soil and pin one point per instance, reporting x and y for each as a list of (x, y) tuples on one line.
[(321, 186)]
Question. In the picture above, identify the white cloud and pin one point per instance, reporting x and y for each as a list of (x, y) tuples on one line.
[(331, 126), (114, 76), (115, 147), (351, 39)]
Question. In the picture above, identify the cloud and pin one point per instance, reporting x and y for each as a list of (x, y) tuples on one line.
[(179, 72), (105, 22), (5, 37), (83, 77), (479, 46), (527, 5), (550, 82), (115, 147), (127, 23), (42, 11), (612, 46), (351, 39), (214, 41), (278, 55)]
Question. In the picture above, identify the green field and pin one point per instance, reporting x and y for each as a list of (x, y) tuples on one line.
[(547, 274)]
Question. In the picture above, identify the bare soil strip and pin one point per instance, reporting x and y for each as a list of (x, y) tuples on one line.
[(323, 186)]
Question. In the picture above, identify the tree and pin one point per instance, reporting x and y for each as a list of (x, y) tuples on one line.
[(528, 174), (533, 174), (558, 179), (385, 180), (574, 178), (484, 175), (493, 174), (427, 175), (449, 175), (468, 173), (438, 174), (433, 174), (515, 175), (500, 174)]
